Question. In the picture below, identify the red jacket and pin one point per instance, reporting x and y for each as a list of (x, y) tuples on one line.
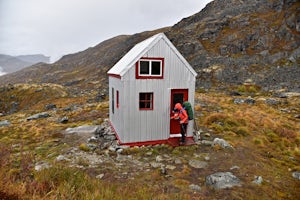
[(182, 114)]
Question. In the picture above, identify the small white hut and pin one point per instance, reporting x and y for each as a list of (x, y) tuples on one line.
[(144, 86)]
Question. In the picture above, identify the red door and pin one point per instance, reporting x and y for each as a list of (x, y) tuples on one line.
[(177, 96)]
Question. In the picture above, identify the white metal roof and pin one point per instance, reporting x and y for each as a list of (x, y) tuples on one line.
[(127, 61)]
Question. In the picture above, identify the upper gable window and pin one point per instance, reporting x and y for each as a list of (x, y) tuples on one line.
[(150, 68)]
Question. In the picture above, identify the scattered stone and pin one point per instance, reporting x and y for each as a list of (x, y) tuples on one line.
[(221, 142), (238, 101), (100, 176), (248, 100), (50, 106), (235, 168), (92, 139), (61, 158), (272, 101), (85, 129), (258, 180), (149, 153), (63, 120), (198, 164), (195, 187), (178, 161), (38, 116), (4, 123), (206, 158), (156, 165), (163, 170), (206, 142), (159, 159), (296, 175), (110, 137), (41, 165), (171, 167), (221, 180)]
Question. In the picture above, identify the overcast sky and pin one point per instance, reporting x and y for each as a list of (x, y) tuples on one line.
[(58, 27)]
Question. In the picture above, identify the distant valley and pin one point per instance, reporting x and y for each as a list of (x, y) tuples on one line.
[(9, 64)]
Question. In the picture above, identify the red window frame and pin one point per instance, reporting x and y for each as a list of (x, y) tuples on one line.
[(147, 100), (137, 68), (117, 101)]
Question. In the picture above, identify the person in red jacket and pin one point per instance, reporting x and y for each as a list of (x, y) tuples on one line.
[(181, 115)]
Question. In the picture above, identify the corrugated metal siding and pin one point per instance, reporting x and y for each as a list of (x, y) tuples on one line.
[(116, 118), (154, 124)]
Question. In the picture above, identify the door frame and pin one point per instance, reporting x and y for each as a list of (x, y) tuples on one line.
[(175, 125)]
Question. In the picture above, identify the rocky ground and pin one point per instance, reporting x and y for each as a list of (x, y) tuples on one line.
[(248, 149)]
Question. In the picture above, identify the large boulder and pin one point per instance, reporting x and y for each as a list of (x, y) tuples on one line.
[(85, 129), (222, 180), (38, 116), (4, 123)]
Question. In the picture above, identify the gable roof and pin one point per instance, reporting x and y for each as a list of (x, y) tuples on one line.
[(127, 61)]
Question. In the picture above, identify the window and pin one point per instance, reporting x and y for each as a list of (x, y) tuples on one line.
[(117, 99), (146, 101), (113, 100), (150, 68)]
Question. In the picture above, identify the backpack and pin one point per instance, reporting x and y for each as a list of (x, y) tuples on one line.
[(188, 107)]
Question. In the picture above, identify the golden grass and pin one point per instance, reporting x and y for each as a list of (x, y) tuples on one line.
[(267, 142)]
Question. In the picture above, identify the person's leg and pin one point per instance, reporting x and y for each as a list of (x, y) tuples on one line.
[(183, 132)]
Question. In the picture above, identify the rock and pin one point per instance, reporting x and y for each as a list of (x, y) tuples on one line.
[(41, 165), (296, 175), (38, 116), (110, 137), (221, 142), (238, 101), (63, 120), (248, 100), (159, 159), (177, 161), (235, 168), (92, 139), (163, 170), (4, 123), (198, 164), (171, 167), (156, 165), (50, 106), (221, 180), (206, 142), (100, 176), (257, 180), (272, 101), (85, 129), (61, 158), (195, 187)]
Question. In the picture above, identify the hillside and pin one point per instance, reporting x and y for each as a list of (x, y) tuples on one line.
[(59, 147), (227, 43), (11, 64), (56, 141)]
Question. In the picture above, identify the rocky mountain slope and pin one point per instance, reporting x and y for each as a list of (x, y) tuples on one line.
[(228, 42), (11, 64)]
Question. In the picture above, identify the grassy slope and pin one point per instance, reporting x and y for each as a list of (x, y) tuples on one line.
[(266, 141)]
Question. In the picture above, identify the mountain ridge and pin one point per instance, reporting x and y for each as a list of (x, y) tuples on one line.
[(11, 64), (227, 43)]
